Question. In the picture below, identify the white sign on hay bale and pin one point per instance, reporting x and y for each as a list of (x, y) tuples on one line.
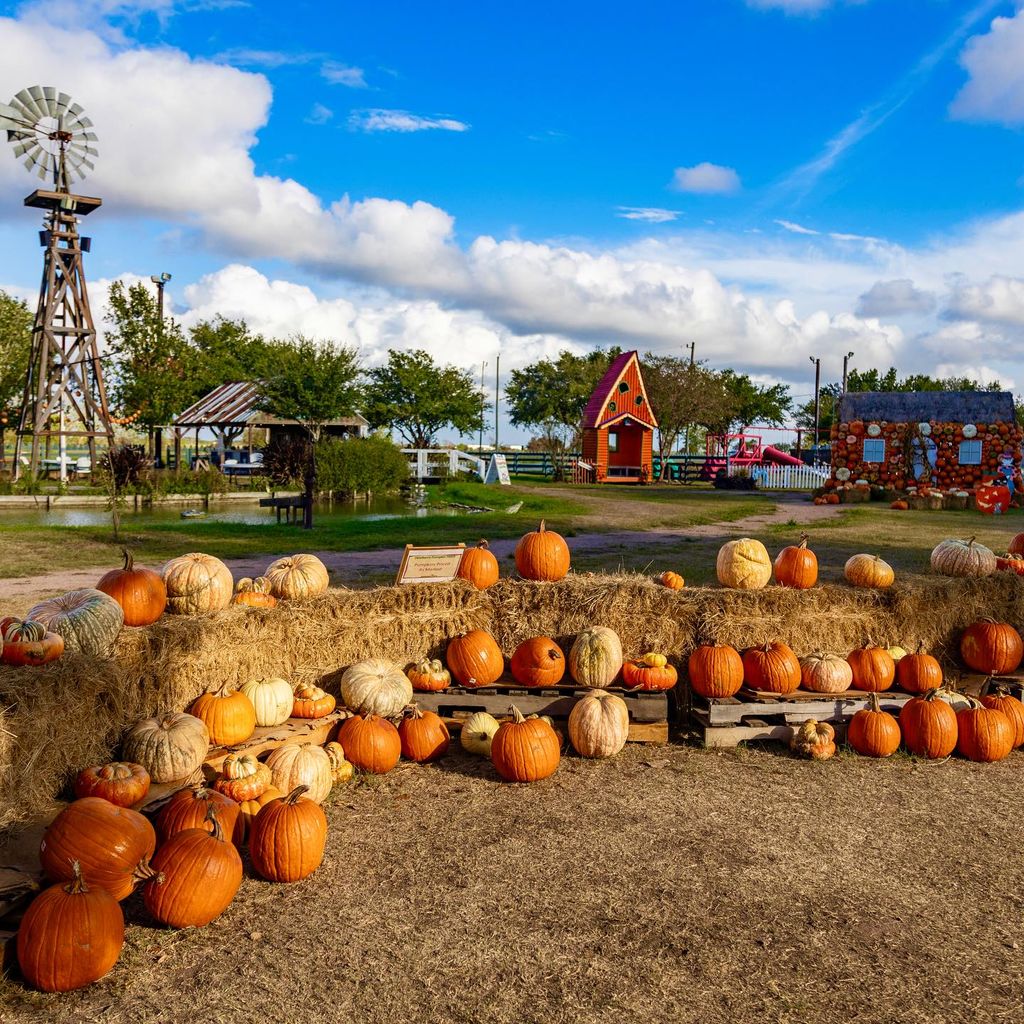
[(439, 564)]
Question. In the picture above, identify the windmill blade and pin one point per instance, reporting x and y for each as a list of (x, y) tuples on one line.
[(31, 143), (75, 109), (27, 109), (28, 101), (63, 102), (50, 97), (36, 92), (83, 122), (11, 116)]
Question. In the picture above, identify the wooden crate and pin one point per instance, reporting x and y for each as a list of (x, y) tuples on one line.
[(756, 715), (648, 710)]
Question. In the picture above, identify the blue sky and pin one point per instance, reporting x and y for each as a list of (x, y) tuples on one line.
[(773, 178)]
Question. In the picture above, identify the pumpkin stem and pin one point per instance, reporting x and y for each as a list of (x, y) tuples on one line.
[(129, 560), (77, 884), (293, 796), (412, 710), (517, 715), (874, 703), (143, 872), (482, 543), (803, 540), (211, 816), (542, 527)]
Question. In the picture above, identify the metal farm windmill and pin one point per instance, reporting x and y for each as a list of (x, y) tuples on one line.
[(53, 138)]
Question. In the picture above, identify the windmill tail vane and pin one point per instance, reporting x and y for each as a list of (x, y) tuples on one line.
[(50, 135)]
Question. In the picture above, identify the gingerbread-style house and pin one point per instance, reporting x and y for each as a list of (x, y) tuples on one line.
[(944, 439), (619, 425)]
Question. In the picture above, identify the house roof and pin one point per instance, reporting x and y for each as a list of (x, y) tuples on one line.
[(921, 406), (596, 413), (234, 405)]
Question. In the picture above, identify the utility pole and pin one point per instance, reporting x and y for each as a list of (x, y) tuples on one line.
[(160, 280), (817, 401), (686, 442), (497, 371), (483, 393), (846, 364)]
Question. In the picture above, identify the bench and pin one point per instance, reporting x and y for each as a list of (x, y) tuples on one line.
[(291, 505)]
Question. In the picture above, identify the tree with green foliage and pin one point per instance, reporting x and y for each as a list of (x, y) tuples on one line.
[(684, 395), (152, 376), (225, 350), (312, 383), (361, 465), (551, 395), (416, 397), (15, 345), (768, 404)]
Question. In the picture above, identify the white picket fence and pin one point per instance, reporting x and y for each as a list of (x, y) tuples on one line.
[(785, 478)]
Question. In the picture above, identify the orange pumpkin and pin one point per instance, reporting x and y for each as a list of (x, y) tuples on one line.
[(479, 566), (651, 672), (873, 668), (929, 726), (28, 643), (983, 733), (715, 671), (538, 661), (994, 648), (120, 782), (525, 749), (190, 808), (672, 580), (796, 566), (429, 676), (542, 555), (254, 593), (371, 744), (248, 809), (288, 838), (475, 659), (918, 672), (998, 697), (772, 668), (228, 715), (140, 592), (873, 732), (424, 736), (242, 777), (900, 506), (312, 702)]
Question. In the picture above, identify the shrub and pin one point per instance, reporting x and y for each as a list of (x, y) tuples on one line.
[(359, 465)]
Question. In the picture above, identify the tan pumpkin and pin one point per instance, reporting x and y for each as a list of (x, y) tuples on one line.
[(171, 747), (599, 724), (301, 764), (743, 564), (869, 571), (342, 769), (196, 584), (312, 702), (87, 619), (825, 673), (271, 699), (375, 687), (963, 558), (242, 777), (477, 733), (297, 578), (815, 740), (255, 593), (595, 658)]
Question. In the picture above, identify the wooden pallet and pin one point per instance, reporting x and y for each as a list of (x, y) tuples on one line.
[(756, 715), (648, 710)]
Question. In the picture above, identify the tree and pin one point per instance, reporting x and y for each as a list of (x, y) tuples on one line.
[(226, 350), (552, 394), (769, 404), (683, 395), (122, 466), (15, 345), (312, 383), (152, 377), (410, 393)]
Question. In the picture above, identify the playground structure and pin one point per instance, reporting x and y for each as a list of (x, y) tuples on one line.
[(730, 452)]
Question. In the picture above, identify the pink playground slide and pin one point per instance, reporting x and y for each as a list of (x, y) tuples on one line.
[(770, 454)]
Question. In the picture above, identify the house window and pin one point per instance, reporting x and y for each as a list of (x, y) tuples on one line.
[(970, 453), (613, 441), (623, 387), (874, 449)]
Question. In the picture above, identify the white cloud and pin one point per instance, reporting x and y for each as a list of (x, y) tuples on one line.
[(319, 114), (895, 298), (791, 6), (647, 214), (995, 64), (706, 178), (343, 74), (999, 300), (247, 57), (796, 229), (377, 120)]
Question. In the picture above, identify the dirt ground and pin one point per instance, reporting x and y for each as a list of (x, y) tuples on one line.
[(671, 884)]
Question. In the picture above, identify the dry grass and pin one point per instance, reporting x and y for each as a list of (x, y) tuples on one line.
[(72, 713), (669, 885)]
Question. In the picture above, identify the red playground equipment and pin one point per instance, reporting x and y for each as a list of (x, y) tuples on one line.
[(722, 451)]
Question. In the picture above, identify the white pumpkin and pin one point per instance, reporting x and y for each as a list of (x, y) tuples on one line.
[(963, 558), (477, 732), (599, 724), (595, 658), (272, 698), (376, 687), (301, 764), (825, 673), (297, 578), (743, 564), (170, 747)]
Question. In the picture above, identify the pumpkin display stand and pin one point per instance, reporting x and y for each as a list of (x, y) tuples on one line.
[(648, 709)]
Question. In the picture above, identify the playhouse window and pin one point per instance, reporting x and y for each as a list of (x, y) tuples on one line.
[(970, 453), (874, 449), (613, 441), (611, 407), (639, 400), (623, 387)]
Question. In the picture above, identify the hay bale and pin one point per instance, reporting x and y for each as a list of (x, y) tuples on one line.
[(72, 713)]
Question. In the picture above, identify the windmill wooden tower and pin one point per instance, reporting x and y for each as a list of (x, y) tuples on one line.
[(64, 393)]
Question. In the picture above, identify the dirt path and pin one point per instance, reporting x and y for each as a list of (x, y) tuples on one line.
[(355, 567)]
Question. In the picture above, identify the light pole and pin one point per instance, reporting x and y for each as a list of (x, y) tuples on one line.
[(497, 399), (483, 400), (160, 280), (817, 401), (846, 363)]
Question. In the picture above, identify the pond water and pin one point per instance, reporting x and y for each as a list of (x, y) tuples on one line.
[(244, 514)]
